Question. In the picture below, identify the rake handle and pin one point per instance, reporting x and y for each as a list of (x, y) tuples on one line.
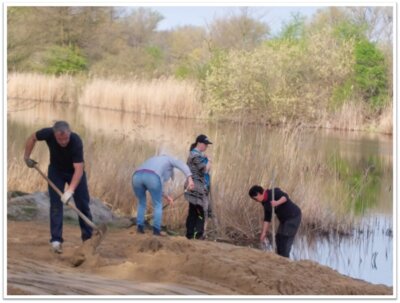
[(273, 221), (71, 205), (273, 210)]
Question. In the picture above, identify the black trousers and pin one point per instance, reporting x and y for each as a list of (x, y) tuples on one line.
[(285, 236), (81, 198), (195, 222)]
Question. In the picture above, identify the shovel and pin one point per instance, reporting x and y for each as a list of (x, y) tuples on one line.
[(100, 230)]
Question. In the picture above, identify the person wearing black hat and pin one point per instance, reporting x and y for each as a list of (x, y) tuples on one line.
[(288, 213), (200, 166)]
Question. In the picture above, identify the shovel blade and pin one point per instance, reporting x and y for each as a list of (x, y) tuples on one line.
[(98, 235), (88, 248)]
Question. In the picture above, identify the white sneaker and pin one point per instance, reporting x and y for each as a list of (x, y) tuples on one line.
[(56, 245)]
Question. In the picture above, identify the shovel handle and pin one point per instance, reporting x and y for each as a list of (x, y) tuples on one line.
[(71, 205)]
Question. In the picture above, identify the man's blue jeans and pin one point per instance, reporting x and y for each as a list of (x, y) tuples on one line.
[(81, 198), (143, 181)]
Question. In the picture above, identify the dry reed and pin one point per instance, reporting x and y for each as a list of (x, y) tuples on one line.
[(115, 143), (305, 178), (30, 86), (239, 163), (385, 124), (163, 97), (350, 116), (182, 99)]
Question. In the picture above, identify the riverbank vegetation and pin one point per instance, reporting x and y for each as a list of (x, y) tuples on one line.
[(332, 70), (334, 191)]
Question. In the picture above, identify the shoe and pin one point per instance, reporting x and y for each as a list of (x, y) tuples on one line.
[(140, 229), (56, 246), (158, 232)]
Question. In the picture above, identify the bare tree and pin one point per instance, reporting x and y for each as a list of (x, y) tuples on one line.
[(238, 31), (378, 21), (140, 25)]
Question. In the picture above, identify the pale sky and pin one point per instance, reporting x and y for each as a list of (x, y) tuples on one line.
[(274, 16)]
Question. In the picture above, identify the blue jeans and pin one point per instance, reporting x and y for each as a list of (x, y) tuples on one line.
[(81, 198), (146, 181)]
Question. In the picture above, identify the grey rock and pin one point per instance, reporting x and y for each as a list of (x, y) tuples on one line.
[(36, 206)]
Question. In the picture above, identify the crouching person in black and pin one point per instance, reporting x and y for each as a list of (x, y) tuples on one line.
[(288, 213)]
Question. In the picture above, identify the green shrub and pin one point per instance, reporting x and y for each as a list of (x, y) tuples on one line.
[(370, 73), (347, 30), (64, 60), (281, 80), (155, 58), (342, 93), (182, 72)]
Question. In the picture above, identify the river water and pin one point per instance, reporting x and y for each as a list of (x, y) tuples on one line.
[(116, 142)]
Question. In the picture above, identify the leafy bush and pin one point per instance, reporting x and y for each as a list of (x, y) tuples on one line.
[(370, 72), (342, 93), (282, 80), (64, 60), (182, 71)]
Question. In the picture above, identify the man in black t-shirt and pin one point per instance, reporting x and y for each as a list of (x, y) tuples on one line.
[(66, 166), (288, 213)]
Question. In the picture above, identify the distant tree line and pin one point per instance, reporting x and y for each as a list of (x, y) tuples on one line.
[(120, 41), (340, 54)]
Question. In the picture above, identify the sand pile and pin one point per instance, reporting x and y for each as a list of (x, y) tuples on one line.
[(175, 264)]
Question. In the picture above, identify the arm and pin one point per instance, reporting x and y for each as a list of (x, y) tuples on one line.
[(181, 166), (186, 170), (280, 197), (190, 185), (264, 231), (169, 199), (29, 145), (278, 202), (76, 177), (208, 167)]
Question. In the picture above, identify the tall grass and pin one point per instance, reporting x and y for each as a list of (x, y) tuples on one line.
[(114, 150), (349, 116), (282, 102), (49, 88), (300, 171), (162, 97), (165, 97), (385, 124)]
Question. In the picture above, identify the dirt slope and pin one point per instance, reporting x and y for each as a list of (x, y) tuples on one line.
[(130, 264)]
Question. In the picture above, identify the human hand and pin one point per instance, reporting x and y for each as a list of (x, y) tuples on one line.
[(190, 184), (263, 238), (266, 245), (170, 200), (67, 195), (30, 162)]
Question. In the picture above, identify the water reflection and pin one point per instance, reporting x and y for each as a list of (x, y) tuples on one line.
[(368, 255), (115, 143)]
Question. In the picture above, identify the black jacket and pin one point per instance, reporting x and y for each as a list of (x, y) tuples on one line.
[(284, 211)]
